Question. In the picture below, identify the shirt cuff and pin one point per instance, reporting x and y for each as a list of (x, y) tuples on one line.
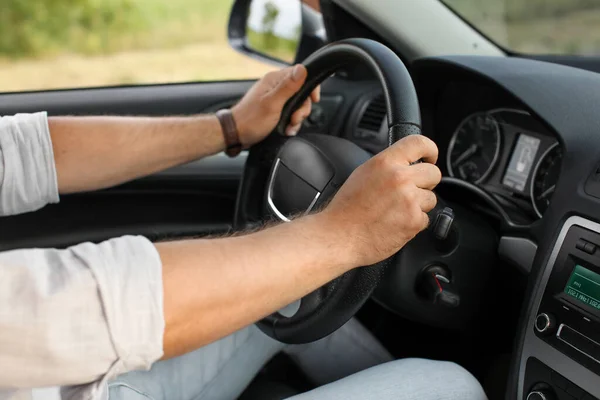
[(27, 169), (130, 284), (128, 271)]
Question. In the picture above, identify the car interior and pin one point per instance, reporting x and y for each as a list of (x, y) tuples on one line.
[(506, 282)]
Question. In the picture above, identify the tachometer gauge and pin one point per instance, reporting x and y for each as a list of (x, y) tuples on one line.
[(545, 177), (474, 148)]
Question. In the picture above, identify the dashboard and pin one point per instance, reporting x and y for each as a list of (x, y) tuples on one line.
[(490, 139), (508, 152), (527, 132), (485, 137)]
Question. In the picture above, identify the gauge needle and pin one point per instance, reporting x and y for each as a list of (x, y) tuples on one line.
[(468, 153), (548, 191)]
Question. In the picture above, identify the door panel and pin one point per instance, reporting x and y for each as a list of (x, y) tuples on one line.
[(136, 100)]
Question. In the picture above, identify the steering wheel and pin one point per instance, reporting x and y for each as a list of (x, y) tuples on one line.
[(286, 177)]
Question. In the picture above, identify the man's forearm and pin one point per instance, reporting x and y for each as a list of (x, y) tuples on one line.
[(215, 287), (97, 152)]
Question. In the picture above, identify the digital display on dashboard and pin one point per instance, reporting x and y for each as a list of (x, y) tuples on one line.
[(584, 285), (521, 162)]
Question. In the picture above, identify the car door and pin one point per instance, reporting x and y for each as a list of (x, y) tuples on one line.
[(139, 78)]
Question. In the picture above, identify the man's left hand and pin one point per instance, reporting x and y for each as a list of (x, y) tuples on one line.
[(259, 111)]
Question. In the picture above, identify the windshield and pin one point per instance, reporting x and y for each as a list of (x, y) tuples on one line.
[(536, 26)]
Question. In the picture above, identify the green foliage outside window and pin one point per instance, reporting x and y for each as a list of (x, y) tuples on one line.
[(31, 27)]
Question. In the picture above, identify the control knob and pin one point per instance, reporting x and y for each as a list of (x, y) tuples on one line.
[(541, 394), (545, 323)]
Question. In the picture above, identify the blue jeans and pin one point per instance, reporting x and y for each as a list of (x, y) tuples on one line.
[(222, 370)]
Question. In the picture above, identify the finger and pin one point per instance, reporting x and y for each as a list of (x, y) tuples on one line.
[(427, 199), (315, 96), (302, 113), (413, 148), (291, 82), (425, 175), (426, 221), (292, 130)]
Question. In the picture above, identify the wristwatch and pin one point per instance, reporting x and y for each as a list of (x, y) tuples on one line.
[(233, 146)]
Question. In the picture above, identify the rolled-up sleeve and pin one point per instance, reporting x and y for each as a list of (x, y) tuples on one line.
[(80, 316), (27, 169)]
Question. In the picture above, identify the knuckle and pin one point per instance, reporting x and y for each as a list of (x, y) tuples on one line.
[(386, 163), (437, 173), (415, 140), (272, 75), (296, 118), (409, 196), (379, 162), (404, 191), (414, 220), (431, 202), (434, 199), (425, 143), (431, 172), (307, 108), (401, 179)]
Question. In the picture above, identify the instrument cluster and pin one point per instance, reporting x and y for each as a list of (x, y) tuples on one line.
[(509, 153)]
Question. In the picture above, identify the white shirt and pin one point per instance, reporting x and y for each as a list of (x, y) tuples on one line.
[(76, 317)]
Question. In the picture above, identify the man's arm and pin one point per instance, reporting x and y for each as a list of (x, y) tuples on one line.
[(98, 152), (215, 287), (90, 312)]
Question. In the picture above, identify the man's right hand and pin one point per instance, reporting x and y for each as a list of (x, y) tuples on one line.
[(383, 204), (380, 208)]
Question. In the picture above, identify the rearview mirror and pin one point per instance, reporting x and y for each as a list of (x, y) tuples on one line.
[(277, 31)]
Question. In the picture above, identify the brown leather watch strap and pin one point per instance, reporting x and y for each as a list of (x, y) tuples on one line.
[(230, 132)]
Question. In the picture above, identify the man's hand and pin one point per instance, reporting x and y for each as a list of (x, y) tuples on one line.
[(384, 203), (375, 213), (257, 114)]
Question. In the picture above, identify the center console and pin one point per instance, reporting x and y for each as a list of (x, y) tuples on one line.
[(561, 352)]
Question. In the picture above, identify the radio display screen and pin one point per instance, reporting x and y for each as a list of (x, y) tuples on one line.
[(584, 285)]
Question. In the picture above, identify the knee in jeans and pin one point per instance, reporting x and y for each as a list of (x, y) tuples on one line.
[(458, 382)]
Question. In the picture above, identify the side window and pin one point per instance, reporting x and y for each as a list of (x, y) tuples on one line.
[(61, 44)]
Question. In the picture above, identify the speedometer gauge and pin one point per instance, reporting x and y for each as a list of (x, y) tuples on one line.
[(545, 177), (474, 148)]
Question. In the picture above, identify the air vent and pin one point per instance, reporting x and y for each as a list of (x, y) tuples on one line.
[(374, 115)]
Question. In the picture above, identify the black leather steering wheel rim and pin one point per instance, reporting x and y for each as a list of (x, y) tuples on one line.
[(329, 307), (403, 112)]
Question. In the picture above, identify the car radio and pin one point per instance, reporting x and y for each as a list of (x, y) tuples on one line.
[(569, 314)]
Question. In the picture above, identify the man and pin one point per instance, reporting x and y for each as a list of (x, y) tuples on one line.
[(85, 317)]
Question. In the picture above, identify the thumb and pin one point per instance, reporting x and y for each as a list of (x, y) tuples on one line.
[(291, 82)]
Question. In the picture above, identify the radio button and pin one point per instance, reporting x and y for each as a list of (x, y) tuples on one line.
[(579, 342), (545, 324), (585, 246)]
